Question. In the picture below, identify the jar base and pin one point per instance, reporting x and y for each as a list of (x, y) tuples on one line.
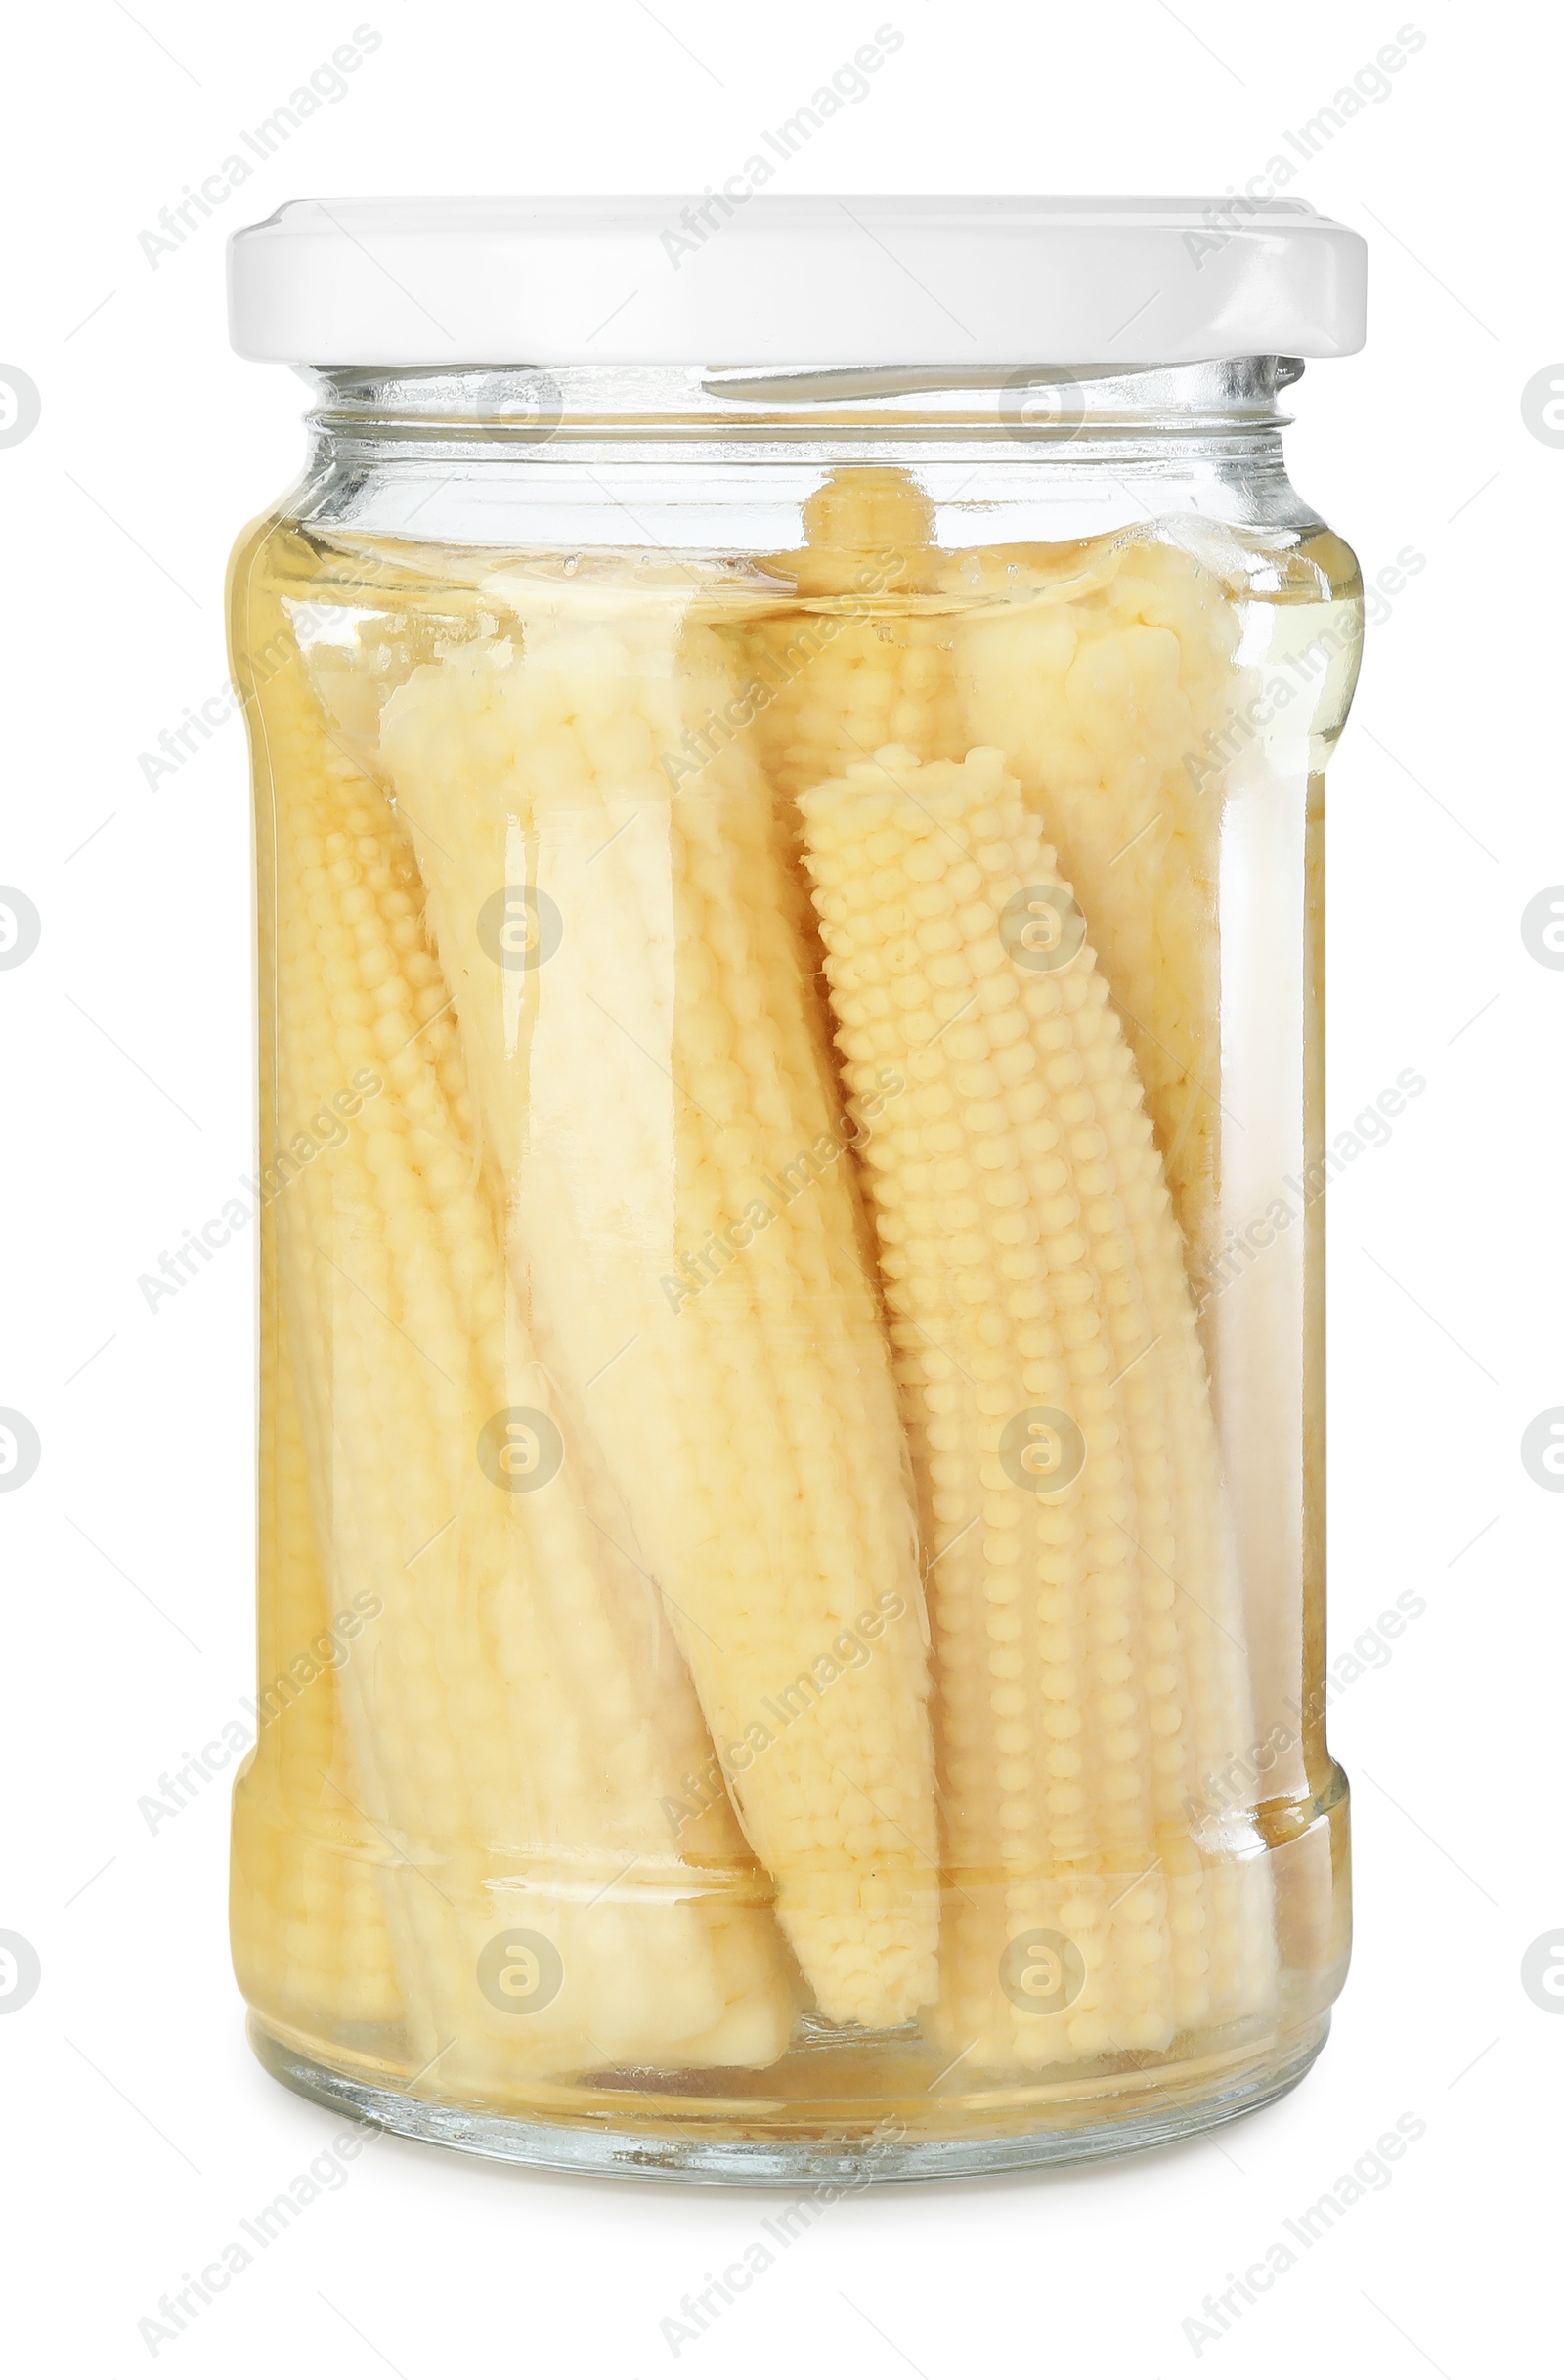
[(1167, 2106)]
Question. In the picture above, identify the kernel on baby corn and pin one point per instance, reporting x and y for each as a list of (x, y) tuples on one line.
[(1086, 1621), (653, 1082), (521, 1721)]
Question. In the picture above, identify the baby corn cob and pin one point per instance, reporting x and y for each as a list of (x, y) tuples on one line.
[(653, 1085), (306, 1920), (1107, 679), (522, 1724), (1086, 1632), (861, 656)]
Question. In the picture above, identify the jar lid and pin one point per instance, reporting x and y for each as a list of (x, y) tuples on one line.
[(741, 275)]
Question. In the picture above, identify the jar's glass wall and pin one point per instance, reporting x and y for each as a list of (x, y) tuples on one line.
[(791, 1459)]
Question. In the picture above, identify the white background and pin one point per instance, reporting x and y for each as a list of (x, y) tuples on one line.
[(138, 2128)]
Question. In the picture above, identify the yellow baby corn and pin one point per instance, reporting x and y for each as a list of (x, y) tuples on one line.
[(522, 1724), (1087, 1631), (861, 655), (649, 1064), (1106, 676)]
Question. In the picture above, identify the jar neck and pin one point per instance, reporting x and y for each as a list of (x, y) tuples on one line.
[(798, 408), (681, 457)]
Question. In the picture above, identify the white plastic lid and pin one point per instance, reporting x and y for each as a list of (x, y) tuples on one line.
[(740, 278)]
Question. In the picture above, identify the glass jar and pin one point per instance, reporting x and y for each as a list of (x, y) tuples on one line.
[(791, 1151)]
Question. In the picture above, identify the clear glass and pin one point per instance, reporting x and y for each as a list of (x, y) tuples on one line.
[(791, 1165)]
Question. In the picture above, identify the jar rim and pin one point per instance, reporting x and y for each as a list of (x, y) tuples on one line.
[(533, 403)]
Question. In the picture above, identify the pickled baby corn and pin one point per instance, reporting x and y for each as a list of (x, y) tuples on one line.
[(1105, 674), (642, 1252), (650, 1066), (933, 667), (1087, 1634), (522, 1723), (862, 655), (306, 1917)]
